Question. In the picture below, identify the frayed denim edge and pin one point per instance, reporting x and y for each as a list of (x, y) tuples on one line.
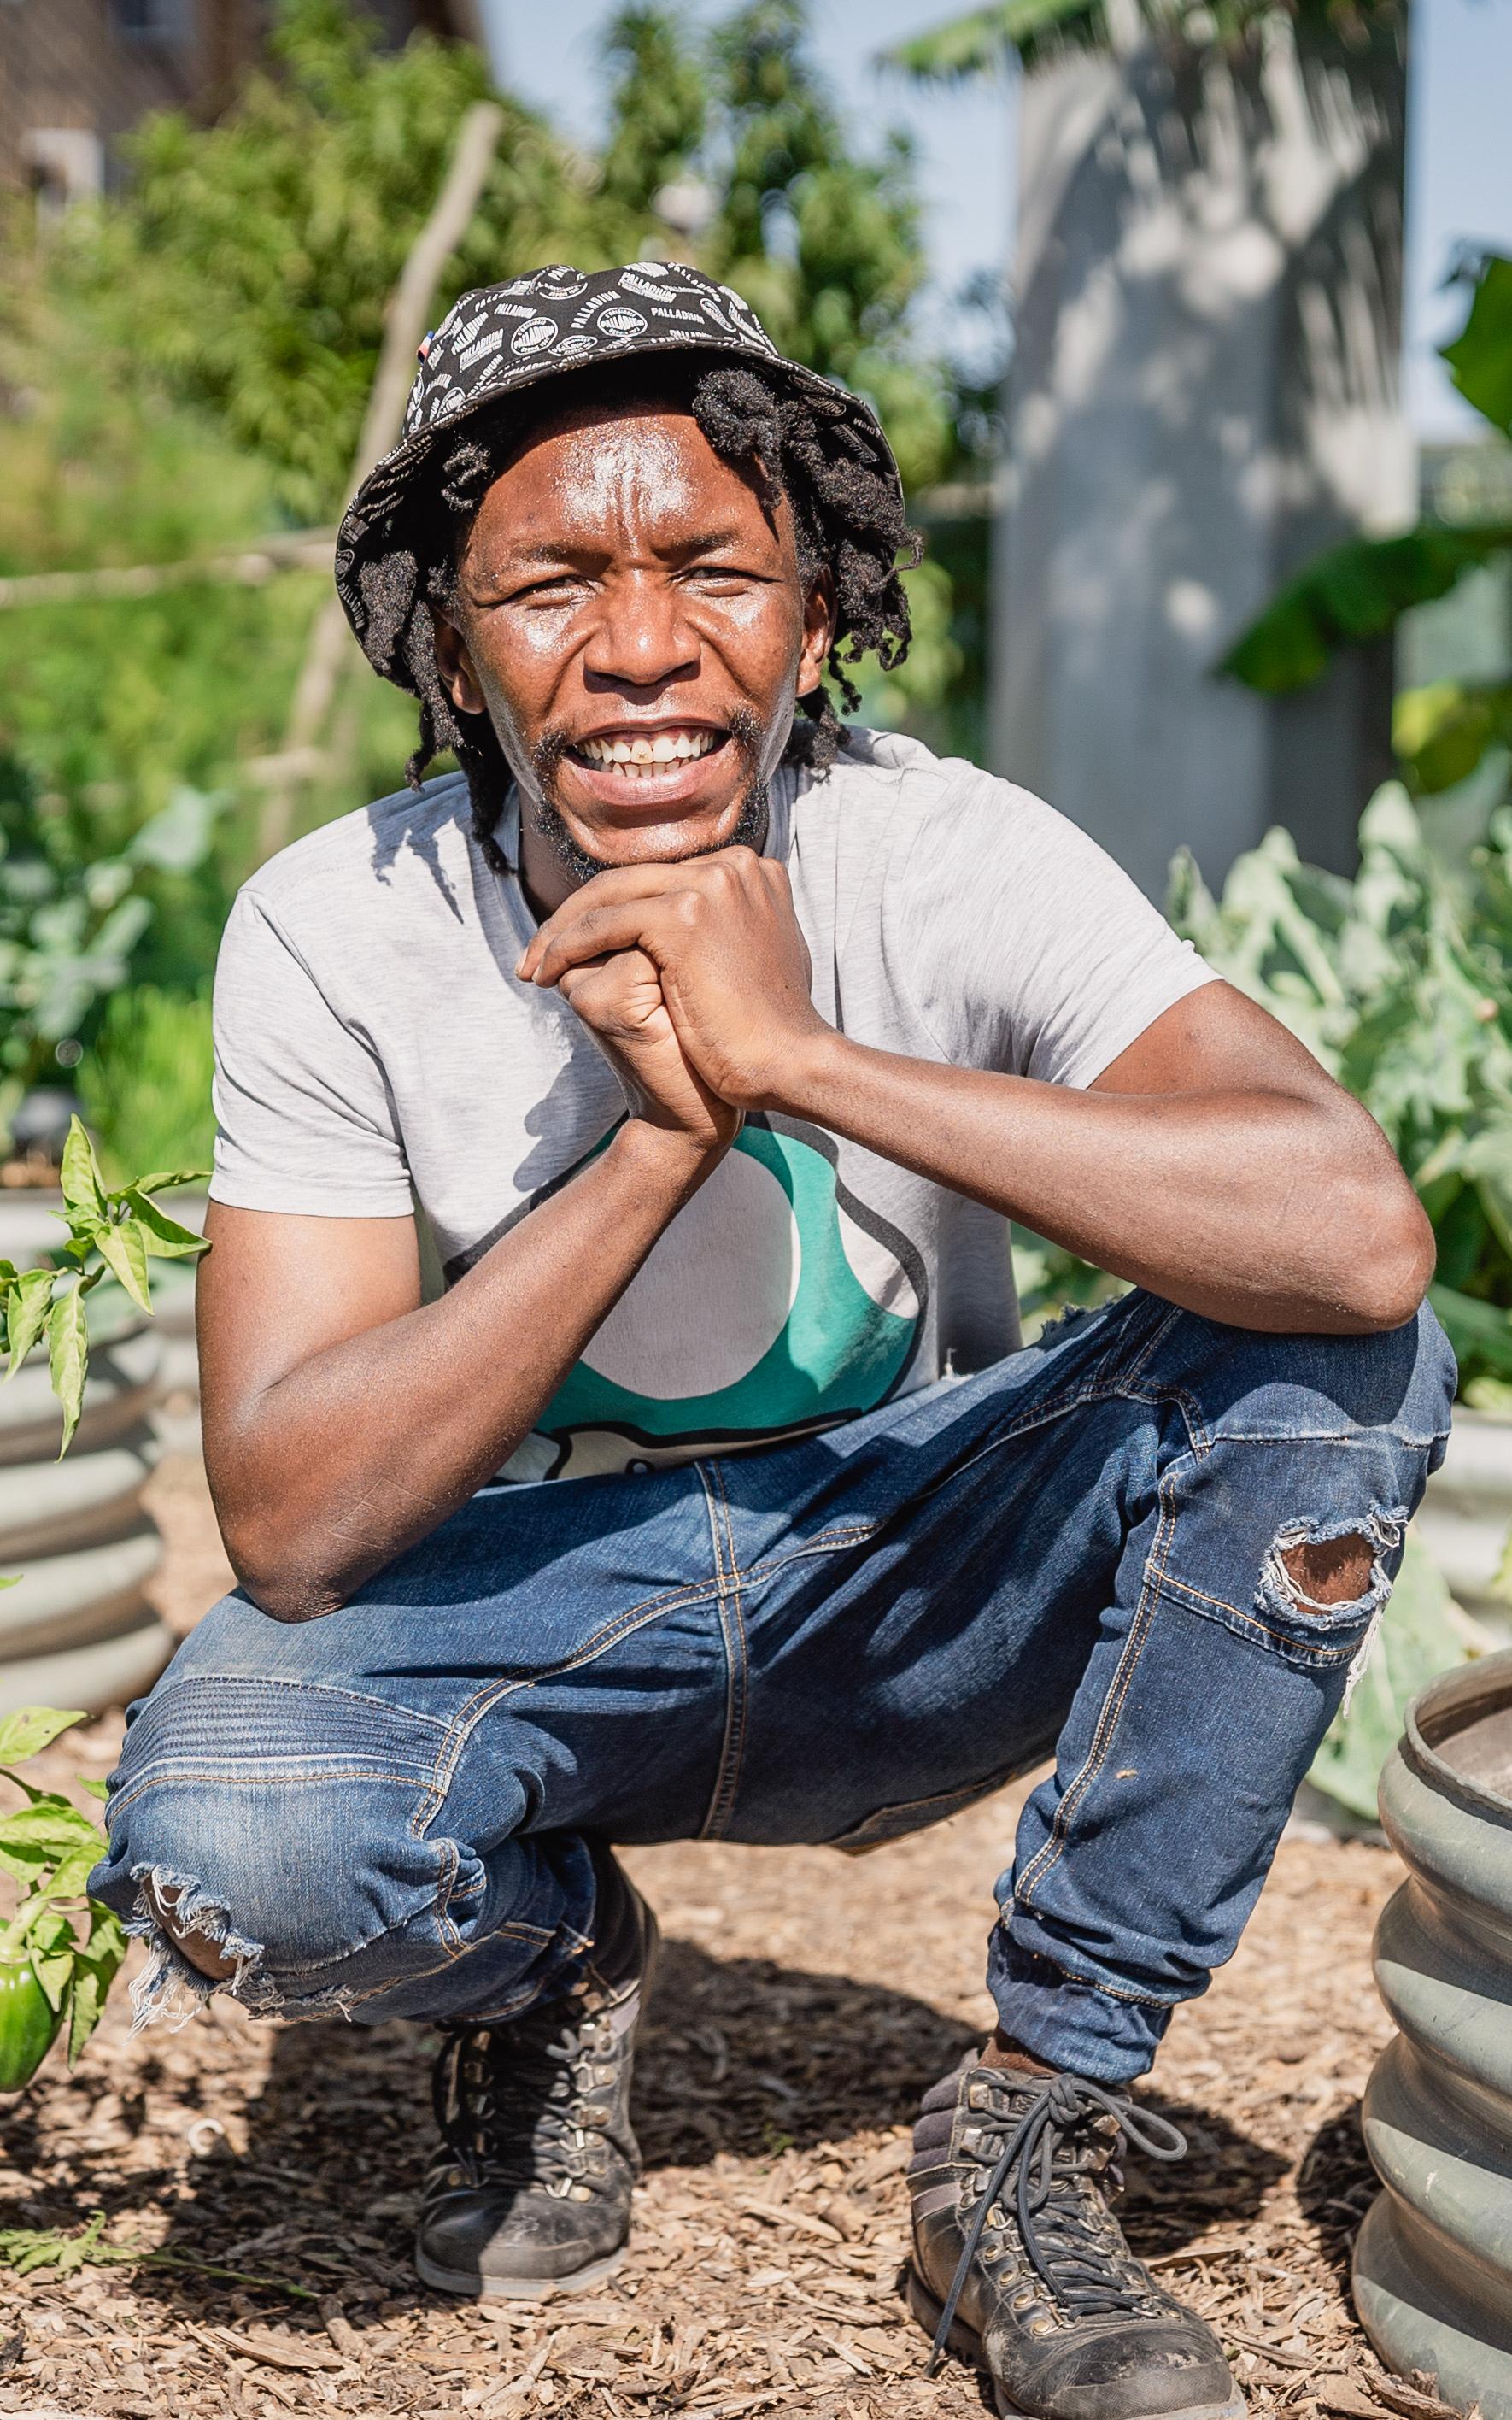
[(1279, 1596)]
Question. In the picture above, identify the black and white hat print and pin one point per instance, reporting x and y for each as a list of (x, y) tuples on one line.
[(500, 340)]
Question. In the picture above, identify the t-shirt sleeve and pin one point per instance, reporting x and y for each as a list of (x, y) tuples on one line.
[(1026, 948), (304, 1117)]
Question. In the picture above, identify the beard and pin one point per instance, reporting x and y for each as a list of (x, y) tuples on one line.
[(747, 737)]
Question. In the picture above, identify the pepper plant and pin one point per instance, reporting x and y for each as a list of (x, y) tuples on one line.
[(59, 1950)]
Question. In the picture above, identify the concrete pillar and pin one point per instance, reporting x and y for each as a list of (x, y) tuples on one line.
[(1205, 391)]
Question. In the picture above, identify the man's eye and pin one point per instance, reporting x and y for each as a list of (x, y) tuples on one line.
[(558, 590)]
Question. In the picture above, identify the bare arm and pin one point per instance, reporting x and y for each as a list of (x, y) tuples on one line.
[(1214, 1161), (344, 1419)]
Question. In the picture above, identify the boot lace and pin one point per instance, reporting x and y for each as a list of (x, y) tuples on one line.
[(518, 2104), (1039, 2154)]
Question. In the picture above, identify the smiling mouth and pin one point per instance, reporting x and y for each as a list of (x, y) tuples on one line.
[(647, 756)]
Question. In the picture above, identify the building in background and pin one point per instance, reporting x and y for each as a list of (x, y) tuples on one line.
[(1204, 393), (75, 75)]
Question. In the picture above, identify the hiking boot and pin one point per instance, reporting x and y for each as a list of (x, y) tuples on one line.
[(1020, 2267), (531, 2189)]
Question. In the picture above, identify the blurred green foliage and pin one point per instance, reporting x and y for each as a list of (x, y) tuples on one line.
[(1400, 982), (1036, 32), (146, 1082), (247, 265), (1361, 590), (184, 370)]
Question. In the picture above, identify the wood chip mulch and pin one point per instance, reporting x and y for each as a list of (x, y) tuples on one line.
[(804, 2004)]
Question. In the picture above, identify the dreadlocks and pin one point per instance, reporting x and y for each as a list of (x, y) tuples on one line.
[(846, 516)]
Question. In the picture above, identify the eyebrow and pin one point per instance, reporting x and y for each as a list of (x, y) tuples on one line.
[(521, 557)]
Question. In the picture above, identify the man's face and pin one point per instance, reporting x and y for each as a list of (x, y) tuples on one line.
[(638, 631)]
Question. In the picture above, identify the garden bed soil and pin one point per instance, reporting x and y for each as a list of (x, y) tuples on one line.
[(805, 2003)]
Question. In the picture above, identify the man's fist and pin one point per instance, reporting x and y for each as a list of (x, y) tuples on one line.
[(619, 999), (733, 967)]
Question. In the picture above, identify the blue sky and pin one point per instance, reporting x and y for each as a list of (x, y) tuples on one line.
[(1459, 163)]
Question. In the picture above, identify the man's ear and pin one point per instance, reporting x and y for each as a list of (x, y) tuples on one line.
[(455, 665), (818, 631)]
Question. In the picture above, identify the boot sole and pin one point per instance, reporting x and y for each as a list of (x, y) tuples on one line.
[(516, 2288), (965, 2341)]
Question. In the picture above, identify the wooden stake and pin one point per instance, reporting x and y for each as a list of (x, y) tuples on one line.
[(404, 324)]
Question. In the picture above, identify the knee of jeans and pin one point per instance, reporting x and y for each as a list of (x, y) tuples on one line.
[(288, 1891), (284, 1874), (1398, 1384)]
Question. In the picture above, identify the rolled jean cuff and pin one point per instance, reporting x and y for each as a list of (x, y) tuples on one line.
[(1104, 2031)]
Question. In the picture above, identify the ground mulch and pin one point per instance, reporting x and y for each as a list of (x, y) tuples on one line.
[(805, 2002)]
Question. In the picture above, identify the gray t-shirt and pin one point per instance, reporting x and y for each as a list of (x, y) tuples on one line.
[(375, 1056)]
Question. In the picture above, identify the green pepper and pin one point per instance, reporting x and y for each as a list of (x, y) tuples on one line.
[(28, 2026)]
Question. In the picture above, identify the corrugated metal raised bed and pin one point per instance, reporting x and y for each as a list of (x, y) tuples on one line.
[(1433, 2264), (77, 1630)]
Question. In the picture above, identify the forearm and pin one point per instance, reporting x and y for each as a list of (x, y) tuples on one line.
[(327, 1474), (1271, 1210)]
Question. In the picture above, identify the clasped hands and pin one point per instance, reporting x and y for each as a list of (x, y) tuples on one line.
[(693, 979)]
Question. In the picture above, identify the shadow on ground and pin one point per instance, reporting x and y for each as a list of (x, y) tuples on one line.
[(744, 2059), (1336, 2186)]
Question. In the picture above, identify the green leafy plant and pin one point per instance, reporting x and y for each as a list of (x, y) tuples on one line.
[(1359, 591), (1400, 982), (112, 1233), (71, 920), (64, 2251), (60, 1951)]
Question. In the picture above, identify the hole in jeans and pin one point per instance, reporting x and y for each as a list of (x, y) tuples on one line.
[(191, 1941), (1329, 1571)]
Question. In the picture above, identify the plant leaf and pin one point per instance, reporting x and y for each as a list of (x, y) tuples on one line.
[(162, 1237), (123, 1248), (34, 1728), (67, 1341), (95, 1968), (1480, 358), (1355, 592), (52, 1825), (161, 1179), (30, 1296), (84, 1194), (53, 1947)]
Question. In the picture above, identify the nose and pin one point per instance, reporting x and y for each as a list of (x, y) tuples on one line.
[(641, 638)]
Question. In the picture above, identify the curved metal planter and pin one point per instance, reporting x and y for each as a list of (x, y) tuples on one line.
[(1433, 2263), (77, 1630)]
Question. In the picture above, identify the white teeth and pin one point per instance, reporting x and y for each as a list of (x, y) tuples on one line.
[(637, 756)]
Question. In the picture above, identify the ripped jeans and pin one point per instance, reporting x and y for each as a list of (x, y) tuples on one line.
[(1081, 1550)]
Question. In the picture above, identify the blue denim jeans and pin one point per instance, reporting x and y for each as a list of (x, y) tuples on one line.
[(1079, 1551)]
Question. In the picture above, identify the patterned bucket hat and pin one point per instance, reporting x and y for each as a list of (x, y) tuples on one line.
[(500, 339)]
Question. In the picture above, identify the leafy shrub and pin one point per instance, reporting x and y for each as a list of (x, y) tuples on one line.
[(70, 917), (145, 1081), (1400, 983)]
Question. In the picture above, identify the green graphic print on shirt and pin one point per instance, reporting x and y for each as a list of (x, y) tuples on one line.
[(775, 1304)]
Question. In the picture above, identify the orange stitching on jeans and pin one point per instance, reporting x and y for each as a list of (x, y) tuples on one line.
[(483, 1700), (1076, 1789), (732, 1630), (1324, 1654), (1112, 1990)]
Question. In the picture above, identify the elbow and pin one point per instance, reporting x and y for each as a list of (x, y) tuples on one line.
[(286, 1600), (286, 1586), (1388, 1278)]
